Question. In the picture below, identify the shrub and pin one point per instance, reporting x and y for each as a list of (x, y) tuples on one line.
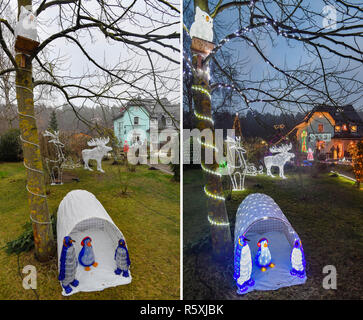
[(25, 242), (10, 146)]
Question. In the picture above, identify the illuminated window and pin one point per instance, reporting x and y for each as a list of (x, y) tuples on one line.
[(344, 127), (321, 127), (353, 128), (337, 128)]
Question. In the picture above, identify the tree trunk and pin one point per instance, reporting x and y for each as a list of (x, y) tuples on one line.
[(217, 212), (42, 229)]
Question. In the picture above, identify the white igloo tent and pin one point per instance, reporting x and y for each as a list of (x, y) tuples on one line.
[(258, 216), (80, 214)]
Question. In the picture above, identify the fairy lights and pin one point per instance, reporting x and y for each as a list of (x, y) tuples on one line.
[(25, 141), (202, 90), (207, 145), (202, 117), (217, 223), (216, 173), (213, 196)]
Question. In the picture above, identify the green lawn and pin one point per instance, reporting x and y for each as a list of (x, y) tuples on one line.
[(326, 212), (148, 216)]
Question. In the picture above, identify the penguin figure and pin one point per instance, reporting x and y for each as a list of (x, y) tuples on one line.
[(68, 265), (297, 260), (86, 257), (263, 257), (122, 259), (243, 265)]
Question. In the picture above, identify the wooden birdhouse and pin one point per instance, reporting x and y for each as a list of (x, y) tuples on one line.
[(25, 45), (202, 46)]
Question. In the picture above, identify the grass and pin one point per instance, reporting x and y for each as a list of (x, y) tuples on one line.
[(326, 212), (148, 216)]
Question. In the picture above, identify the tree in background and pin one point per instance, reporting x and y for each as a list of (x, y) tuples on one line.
[(53, 123)]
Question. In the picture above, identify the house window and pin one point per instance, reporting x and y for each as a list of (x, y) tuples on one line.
[(168, 121), (163, 121), (344, 127), (153, 122), (353, 128), (337, 128), (136, 120), (320, 127)]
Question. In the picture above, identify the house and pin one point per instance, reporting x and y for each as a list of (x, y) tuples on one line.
[(329, 131), (143, 119)]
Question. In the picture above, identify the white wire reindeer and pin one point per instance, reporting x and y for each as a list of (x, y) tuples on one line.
[(238, 170), (55, 169), (279, 159), (96, 153)]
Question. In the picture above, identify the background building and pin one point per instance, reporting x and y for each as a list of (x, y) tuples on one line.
[(142, 120), (329, 131)]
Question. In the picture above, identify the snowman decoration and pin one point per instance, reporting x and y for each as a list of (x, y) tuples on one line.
[(202, 26), (263, 257), (297, 260), (243, 266)]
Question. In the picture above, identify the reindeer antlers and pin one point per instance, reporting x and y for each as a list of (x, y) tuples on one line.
[(54, 135), (98, 142), (281, 149)]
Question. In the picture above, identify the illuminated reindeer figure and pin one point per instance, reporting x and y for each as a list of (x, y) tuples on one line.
[(55, 166), (279, 159), (96, 153), (238, 171)]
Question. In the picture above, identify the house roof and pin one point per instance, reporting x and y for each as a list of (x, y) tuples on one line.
[(152, 107), (341, 115)]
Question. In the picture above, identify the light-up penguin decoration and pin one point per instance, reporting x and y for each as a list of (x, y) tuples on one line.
[(243, 266), (202, 26), (263, 256), (297, 260)]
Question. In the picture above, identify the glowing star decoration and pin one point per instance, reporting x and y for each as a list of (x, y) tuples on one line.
[(55, 166), (263, 256), (27, 25), (310, 155), (96, 153), (303, 141), (202, 26), (237, 170), (243, 265), (279, 159), (297, 260)]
